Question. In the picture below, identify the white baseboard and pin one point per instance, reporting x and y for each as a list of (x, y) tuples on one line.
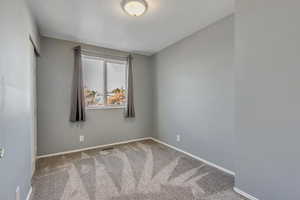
[(136, 140), (29, 194), (237, 190), (196, 157), (94, 147)]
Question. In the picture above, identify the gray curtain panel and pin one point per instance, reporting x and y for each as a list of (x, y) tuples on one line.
[(129, 110), (77, 102)]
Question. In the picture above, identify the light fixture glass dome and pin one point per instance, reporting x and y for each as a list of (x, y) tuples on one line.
[(135, 7)]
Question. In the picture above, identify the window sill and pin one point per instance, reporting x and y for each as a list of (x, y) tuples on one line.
[(104, 107)]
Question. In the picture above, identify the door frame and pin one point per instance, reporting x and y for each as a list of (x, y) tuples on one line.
[(33, 97)]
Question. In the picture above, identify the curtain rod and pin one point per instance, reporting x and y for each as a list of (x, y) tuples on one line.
[(102, 54)]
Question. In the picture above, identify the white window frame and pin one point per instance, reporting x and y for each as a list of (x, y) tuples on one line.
[(105, 61)]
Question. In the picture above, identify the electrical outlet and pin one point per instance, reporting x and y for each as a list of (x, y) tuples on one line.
[(81, 138), (1, 153), (178, 138), (18, 197)]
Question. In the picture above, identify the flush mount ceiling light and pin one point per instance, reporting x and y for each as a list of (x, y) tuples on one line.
[(134, 7)]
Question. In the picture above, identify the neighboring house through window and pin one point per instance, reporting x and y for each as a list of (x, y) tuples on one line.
[(104, 82)]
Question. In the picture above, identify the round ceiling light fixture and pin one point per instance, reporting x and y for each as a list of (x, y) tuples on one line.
[(135, 7)]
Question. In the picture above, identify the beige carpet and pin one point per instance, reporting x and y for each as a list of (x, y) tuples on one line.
[(137, 171)]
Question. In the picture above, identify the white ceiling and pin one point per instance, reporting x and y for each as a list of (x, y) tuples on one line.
[(104, 23)]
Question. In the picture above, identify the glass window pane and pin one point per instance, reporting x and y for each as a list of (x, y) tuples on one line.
[(93, 81), (116, 84)]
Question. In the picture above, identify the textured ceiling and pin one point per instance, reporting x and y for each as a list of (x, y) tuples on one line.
[(104, 23)]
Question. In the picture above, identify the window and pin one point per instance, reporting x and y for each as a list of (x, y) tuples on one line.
[(104, 82)]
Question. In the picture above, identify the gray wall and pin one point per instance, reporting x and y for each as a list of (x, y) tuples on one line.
[(268, 98), (15, 101), (194, 93), (55, 132)]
